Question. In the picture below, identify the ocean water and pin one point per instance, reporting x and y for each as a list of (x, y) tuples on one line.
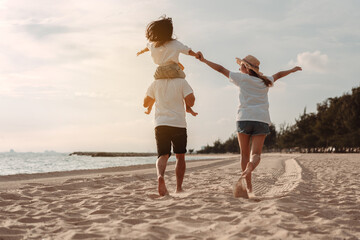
[(17, 163)]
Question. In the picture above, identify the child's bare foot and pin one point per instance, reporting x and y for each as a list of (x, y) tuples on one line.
[(240, 189), (189, 110), (162, 187), (148, 110)]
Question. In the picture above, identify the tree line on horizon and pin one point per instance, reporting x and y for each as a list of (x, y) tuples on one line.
[(335, 127)]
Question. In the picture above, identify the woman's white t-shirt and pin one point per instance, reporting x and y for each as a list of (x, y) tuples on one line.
[(253, 97), (167, 53)]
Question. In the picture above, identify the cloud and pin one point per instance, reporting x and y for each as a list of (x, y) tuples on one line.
[(311, 61), (107, 96), (43, 30)]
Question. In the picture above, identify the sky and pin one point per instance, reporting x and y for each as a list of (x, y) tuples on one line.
[(70, 79)]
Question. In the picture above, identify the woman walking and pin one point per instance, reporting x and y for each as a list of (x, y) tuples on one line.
[(253, 116)]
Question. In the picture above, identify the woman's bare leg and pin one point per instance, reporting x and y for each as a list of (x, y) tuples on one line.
[(244, 143), (256, 149)]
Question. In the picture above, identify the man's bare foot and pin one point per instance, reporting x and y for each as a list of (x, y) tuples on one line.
[(162, 187), (189, 110), (179, 190), (240, 189)]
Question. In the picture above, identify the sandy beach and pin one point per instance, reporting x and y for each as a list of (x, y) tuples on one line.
[(308, 196)]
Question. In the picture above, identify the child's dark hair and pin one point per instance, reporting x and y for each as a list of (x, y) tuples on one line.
[(160, 31), (265, 80)]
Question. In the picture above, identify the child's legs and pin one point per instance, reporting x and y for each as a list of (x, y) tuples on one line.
[(169, 71)]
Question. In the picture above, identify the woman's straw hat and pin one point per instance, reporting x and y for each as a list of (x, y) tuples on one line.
[(250, 62)]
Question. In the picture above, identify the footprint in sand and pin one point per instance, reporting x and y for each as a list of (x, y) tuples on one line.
[(286, 182)]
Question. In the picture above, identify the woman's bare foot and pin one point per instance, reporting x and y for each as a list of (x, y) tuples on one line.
[(240, 189), (249, 187), (249, 169), (162, 187)]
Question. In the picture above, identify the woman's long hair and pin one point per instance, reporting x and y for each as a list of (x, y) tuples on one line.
[(265, 80), (160, 31)]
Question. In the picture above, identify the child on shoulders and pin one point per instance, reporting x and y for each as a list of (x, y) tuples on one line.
[(165, 52)]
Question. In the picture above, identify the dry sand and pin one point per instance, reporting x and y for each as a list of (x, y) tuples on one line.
[(312, 196)]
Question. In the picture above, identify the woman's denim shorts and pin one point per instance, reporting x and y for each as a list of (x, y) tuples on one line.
[(252, 128)]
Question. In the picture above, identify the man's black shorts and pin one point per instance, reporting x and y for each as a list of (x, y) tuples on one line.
[(166, 135)]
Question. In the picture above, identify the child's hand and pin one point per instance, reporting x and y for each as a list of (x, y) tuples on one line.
[(199, 56), (297, 68), (142, 51)]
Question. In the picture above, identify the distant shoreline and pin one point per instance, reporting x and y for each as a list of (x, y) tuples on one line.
[(113, 154)]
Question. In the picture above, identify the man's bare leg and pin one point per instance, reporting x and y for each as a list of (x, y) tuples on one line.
[(160, 168), (180, 168)]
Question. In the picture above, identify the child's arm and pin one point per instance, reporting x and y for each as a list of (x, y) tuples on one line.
[(196, 55), (142, 51), (191, 53), (214, 66), (281, 74)]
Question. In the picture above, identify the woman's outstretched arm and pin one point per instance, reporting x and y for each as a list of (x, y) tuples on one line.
[(281, 74), (215, 66)]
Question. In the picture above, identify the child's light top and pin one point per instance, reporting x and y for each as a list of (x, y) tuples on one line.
[(167, 53)]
